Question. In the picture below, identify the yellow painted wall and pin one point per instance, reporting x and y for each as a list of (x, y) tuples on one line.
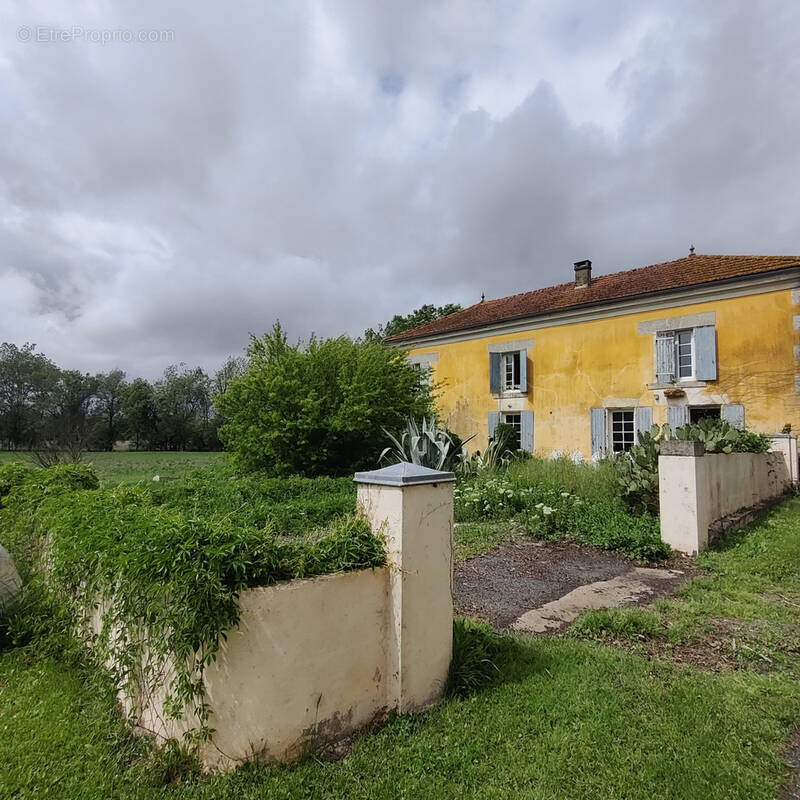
[(606, 362)]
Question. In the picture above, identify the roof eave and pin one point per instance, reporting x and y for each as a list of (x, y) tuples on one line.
[(397, 340)]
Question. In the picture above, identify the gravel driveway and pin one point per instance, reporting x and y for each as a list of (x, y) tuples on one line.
[(504, 586)]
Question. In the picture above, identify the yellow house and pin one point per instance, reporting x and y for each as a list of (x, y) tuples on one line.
[(584, 366)]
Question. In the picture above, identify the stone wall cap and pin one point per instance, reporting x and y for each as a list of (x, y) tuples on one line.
[(782, 436), (682, 447), (404, 474)]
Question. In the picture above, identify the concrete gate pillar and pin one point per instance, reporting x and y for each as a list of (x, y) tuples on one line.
[(412, 507)]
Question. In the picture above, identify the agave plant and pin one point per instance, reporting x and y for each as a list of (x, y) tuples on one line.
[(498, 453), (427, 445)]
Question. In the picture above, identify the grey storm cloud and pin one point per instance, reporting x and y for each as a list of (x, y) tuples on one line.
[(330, 164)]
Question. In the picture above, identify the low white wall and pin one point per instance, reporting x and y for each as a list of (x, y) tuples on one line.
[(306, 663), (695, 491), (314, 660)]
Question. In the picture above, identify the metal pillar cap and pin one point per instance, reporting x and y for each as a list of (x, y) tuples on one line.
[(404, 474)]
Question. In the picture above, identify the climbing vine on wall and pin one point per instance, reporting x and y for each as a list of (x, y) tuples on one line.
[(162, 569)]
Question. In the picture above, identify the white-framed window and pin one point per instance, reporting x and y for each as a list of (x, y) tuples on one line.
[(511, 371), (684, 354), (424, 365), (621, 430), (515, 421), (508, 368)]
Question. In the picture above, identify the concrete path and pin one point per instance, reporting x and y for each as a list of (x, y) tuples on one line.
[(542, 586), (633, 586)]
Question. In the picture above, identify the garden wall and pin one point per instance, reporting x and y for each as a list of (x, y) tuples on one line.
[(700, 492), (312, 661)]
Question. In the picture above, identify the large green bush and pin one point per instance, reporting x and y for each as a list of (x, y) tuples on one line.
[(169, 561), (319, 408)]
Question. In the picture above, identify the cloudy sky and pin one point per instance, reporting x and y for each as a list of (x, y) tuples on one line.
[(215, 167)]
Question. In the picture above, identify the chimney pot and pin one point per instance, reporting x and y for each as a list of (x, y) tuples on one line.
[(583, 273)]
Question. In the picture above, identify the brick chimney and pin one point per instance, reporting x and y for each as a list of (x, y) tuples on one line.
[(583, 273)]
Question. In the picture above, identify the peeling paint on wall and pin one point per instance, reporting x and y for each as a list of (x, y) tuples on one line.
[(576, 367)]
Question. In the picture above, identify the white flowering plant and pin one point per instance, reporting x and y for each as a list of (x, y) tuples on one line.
[(560, 500)]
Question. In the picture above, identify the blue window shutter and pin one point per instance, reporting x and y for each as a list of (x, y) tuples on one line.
[(643, 415), (494, 419), (523, 371), (495, 362), (734, 413), (598, 425), (677, 416), (526, 430), (705, 353), (665, 357)]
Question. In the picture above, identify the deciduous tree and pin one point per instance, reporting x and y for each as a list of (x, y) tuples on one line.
[(27, 379), (405, 322), (318, 408)]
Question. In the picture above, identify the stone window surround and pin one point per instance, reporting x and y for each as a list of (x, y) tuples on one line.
[(511, 347), (424, 359), (653, 326)]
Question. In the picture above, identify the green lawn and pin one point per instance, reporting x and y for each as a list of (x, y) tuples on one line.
[(131, 467), (748, 603), (587, 715), (567, 720), (567, 717)]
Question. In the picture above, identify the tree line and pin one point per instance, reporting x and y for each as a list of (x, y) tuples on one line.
[(45, 408)]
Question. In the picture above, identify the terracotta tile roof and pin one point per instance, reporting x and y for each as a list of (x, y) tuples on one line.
[(689, 271)]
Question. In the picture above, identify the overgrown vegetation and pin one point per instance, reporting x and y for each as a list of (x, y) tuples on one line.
[(638, 469), (719, 436), (637, 472), (559, 499), (499, 452), (530, 716), (167, 561), (318, 408), (557, 718), (612, 504)]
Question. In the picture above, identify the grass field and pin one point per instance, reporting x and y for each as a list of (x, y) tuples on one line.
[(131, 467), (589, 716)]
